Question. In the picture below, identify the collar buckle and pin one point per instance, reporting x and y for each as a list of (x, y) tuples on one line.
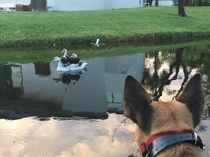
[(143, 149), (195, 136)]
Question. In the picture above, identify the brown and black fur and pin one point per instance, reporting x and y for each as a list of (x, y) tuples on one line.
[(155, 117)]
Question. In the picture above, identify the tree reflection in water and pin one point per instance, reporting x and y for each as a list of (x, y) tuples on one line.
[(161, 68)]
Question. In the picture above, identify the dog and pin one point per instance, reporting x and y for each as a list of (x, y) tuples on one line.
[(166, 129)]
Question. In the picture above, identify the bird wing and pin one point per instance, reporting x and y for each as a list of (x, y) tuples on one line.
[(97, 41)]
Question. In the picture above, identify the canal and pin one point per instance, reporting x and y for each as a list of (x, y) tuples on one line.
[(47, 113)]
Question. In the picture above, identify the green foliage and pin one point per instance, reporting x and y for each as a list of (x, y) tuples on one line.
[(45, 54), (206, 2), (123, 25)]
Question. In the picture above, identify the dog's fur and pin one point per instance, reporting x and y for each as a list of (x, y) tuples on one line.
[(155, 117)]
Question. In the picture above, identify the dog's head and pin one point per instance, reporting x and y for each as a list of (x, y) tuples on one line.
[(156, 117)]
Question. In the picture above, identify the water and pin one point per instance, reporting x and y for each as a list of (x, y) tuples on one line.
[(46, 113), (73, 137)]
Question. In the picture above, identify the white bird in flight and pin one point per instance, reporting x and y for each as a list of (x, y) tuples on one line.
[(97, 43)]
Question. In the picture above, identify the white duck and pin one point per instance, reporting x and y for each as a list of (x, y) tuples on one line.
[(72, 67), (64, 51), (97, 43)]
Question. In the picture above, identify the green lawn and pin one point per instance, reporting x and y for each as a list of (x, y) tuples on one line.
[(139, 24)]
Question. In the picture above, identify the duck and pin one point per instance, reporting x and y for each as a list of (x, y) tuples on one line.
[(97, 44), (65, 58), (64, 51), (71, 67)]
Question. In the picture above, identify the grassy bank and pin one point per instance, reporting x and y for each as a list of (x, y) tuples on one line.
[(46, 54), (125, 25)]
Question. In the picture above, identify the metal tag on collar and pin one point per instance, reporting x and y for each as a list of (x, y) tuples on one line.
[(195, 136)]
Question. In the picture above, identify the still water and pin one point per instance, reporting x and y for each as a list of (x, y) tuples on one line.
[(49, 114)]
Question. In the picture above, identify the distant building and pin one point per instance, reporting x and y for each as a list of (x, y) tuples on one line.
[(73, 5), (78, 5), (164, 3)]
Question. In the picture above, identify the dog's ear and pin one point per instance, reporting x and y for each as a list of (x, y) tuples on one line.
[(193, 97), (136, 103)]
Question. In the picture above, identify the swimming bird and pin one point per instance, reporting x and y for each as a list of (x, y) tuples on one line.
[(64, 51), (72, 67)]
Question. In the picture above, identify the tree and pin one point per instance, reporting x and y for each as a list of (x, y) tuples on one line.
[(181, 11), (156, 3)]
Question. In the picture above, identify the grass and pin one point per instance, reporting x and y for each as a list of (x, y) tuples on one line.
[(81, 27), (46, 54)]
